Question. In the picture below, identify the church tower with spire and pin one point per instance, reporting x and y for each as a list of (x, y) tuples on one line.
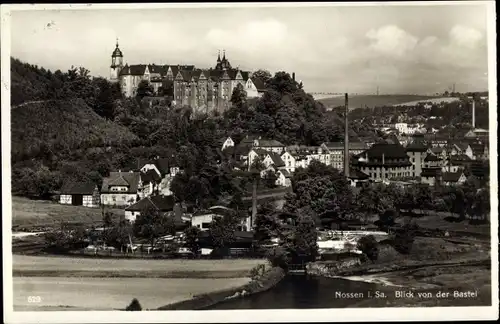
[(116, 63)]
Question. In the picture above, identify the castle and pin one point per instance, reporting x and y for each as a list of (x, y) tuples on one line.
[(202, 89)]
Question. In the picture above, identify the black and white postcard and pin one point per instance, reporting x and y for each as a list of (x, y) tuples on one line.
[(249, 162)]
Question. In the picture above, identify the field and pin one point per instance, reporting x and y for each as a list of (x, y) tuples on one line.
[(32, 213), (65, 283), (96, 266), (371, 101), (72, 294)]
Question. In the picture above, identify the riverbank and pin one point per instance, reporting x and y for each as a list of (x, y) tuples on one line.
[(433, 265), (263, 282)]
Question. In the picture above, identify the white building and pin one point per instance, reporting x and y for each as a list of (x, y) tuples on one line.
[(163, 204)]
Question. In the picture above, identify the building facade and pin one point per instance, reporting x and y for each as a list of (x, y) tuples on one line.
[(204, 90)]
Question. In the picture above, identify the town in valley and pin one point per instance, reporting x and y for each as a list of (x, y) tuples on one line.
[(181, 185)]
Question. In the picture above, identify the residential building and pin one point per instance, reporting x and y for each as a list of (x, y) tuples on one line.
[(336, 152), (228, 142), (162, 204), (284, 178), (417, 152), (458, 161), (401, 127), (454, 178), (80, 194), (431, 176), (358, 178), (274, 159), (150, 183), (165, 168), (433, 161), (121, 188), (203, 219), (254, 154), (478, 133), (290, 160), (269, 145), (384, 161), (479, 151)]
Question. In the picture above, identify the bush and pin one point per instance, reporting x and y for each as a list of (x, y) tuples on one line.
[(404, 238), (278, 257), (369, 246), (134, 306)]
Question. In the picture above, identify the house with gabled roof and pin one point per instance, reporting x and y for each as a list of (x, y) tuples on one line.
[(254, 154), (454, 178), (80, 194), (121, 188), (283, 178), (163, 204), (431, 176), (269, 145), (479, 151), (273, 159)]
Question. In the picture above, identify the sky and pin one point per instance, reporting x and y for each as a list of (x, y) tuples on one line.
[(400, 49)]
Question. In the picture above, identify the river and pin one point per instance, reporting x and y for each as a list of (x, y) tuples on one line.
[(311, 292)]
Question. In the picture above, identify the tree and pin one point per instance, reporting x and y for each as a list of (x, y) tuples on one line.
[(369, 246), (239, 96), (263, 75), (267, 224), (134, 306), (222, 231), (301, 241), (151, 224), (192, 235), (144, 89), (387, 219)]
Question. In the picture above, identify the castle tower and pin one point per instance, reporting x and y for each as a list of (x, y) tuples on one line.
[(116, 63)]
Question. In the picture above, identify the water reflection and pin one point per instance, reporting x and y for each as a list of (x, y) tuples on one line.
[(304, 292)]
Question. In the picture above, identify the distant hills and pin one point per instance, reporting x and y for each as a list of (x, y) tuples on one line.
[(372, 101)]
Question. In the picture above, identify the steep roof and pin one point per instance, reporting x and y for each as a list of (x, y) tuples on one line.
[(432, 158), (285, 173), (430, 172), (128, 179), (452, 176), (417, 145), (276, 158), (150, 176), (260, 152), (357, 174), (161, 203), (387, 150), (259, 84), (78, 188), (269, 143), (437, 150), (340, 145)]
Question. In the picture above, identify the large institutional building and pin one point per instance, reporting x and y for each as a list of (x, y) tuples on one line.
[(202, 89)]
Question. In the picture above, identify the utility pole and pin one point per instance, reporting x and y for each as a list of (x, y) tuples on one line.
[(346, 138)]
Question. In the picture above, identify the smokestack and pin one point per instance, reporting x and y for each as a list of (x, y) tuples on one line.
[(346, 138), (293, 76), (254, 204), (473, 113)]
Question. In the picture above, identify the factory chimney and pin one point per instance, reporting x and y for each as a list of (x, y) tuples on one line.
[(346, 138), (473, 113), (293, 76)]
